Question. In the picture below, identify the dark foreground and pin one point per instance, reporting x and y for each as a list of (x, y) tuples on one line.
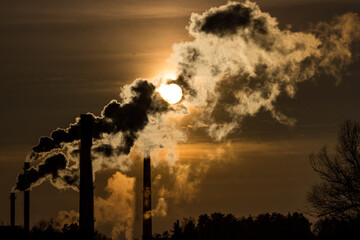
[(217, 226)]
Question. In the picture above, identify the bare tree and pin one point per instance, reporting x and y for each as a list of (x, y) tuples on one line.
[(339, 193)]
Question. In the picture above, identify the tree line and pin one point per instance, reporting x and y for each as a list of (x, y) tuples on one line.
[(274, 226), (218, 226)]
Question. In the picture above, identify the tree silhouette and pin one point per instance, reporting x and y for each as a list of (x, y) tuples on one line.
[(334, 229), (51, 229), (218, 226), (338, 195)]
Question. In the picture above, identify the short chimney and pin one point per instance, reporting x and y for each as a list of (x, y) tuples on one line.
[(26, 203), (147, 222), (12, 209)]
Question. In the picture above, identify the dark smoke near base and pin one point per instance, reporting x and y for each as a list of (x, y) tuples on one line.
[(129, 119), (50, 167)]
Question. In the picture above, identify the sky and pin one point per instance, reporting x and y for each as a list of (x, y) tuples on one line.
[(60, 59)]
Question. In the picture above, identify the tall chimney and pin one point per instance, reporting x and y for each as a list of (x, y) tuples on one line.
[(86, 216), (147, 222), (12, 209), (26, 203)]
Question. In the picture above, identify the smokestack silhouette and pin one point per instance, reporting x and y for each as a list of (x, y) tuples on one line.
[(12, 209), (86, 216), (147, 222), (26, 203)]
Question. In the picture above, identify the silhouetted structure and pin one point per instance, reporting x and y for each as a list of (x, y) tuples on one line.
[(26, 203), (86, 216), (12, 209), (147, 222)]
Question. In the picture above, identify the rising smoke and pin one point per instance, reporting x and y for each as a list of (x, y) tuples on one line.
[(238, 63), (123, 120), (118, 208)]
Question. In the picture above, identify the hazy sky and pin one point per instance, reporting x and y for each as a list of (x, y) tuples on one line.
[(63, 58)]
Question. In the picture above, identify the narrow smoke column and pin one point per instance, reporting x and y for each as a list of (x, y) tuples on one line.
[(147, 222), (12, 209), (86, 216), (26, 203)]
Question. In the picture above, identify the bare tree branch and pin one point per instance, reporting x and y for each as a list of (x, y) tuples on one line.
[(339, 193)]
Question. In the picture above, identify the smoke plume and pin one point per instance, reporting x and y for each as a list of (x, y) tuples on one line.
[(66, 218), (122, 121), (238, 63), (118, 209), (53, 168)]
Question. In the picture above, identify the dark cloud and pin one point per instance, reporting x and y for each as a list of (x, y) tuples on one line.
[(116, 117), (105, 149), (226, 21), (72, 179), (57, 137), (129, 119), (50, 167)]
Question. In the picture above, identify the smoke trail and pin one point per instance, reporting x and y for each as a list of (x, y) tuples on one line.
[(53, 168), (238, 63), (121, 120)]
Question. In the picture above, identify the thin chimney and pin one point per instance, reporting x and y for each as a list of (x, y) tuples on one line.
[(26, 203), (12, 209), (147, 222), (86, 216)]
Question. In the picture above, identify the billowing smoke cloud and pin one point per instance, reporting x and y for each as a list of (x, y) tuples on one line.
[(128, 118), (66, 218), (53, 168), (121, 120), (238, 63), (118, 209), (182, 182)]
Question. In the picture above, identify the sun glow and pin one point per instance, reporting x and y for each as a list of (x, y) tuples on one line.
[(169, 75), (171, 93)]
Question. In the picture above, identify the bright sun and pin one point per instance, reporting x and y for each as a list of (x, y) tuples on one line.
[(171, 93)]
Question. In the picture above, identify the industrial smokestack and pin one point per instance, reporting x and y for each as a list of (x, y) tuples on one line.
[(12, 209), (147, 222), (26, 203), (86, 216)]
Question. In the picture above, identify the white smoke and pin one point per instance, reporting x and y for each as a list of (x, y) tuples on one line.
[(240, 61)]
